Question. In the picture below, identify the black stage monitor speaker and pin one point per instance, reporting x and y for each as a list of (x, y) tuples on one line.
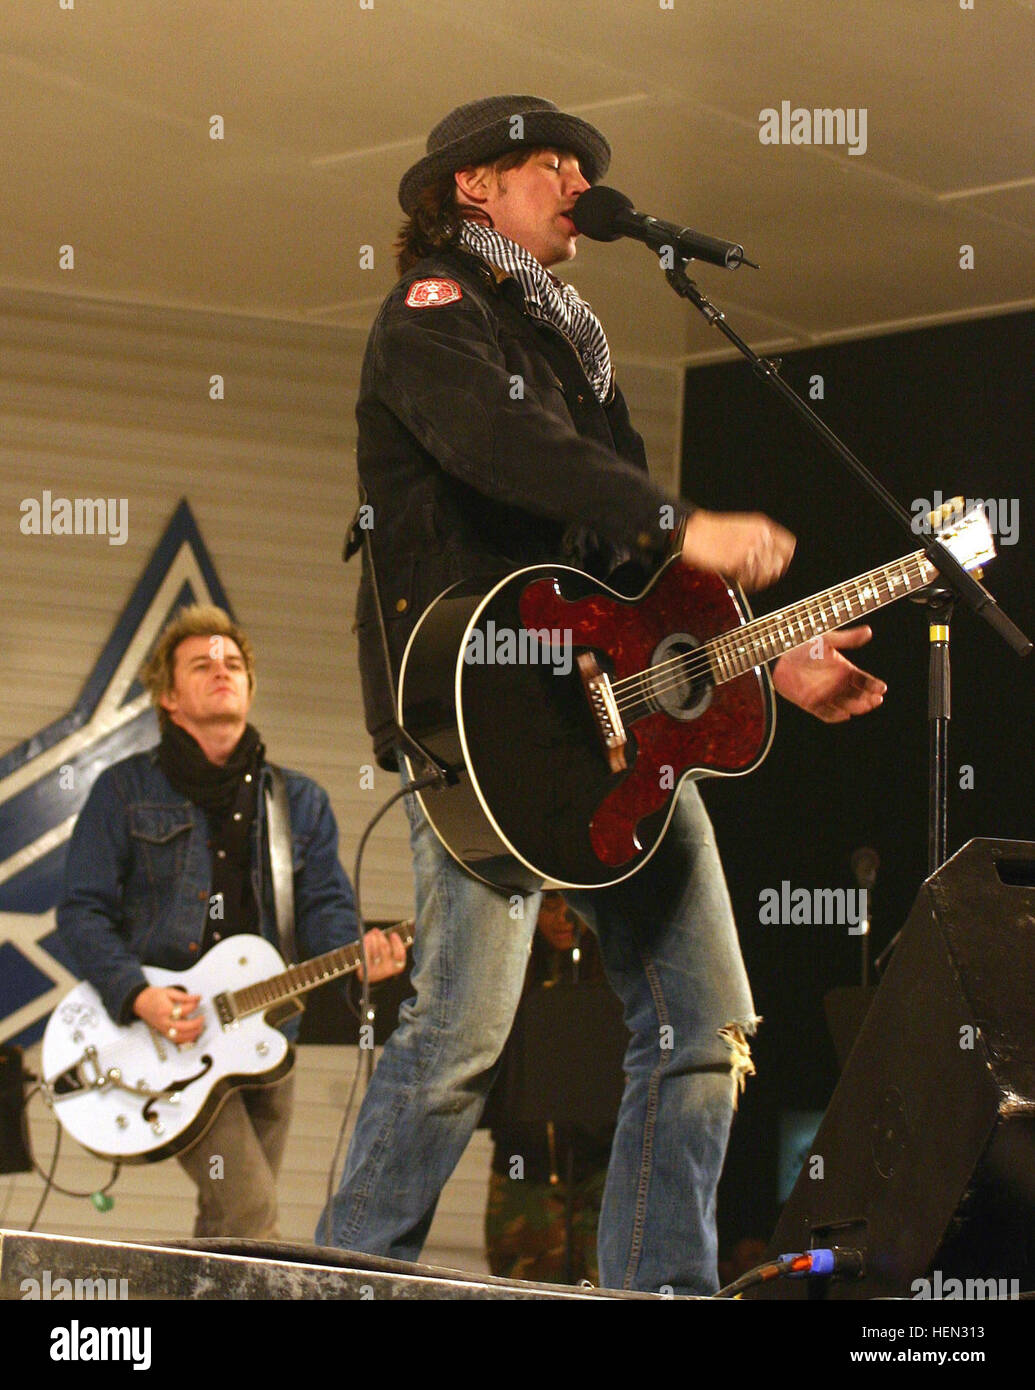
[(925, 1159)]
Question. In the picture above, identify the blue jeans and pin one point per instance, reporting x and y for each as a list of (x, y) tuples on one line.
[(670, 950)]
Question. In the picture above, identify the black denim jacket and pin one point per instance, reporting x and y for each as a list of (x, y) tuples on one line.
[(482, 448)]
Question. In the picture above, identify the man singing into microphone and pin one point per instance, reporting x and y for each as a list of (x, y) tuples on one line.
[(492, 435)]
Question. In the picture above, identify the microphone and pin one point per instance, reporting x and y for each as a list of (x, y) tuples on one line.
[(864, 864), (604, 214)]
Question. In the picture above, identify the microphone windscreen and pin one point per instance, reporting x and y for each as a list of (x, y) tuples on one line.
[(595, 212), (865, 862)]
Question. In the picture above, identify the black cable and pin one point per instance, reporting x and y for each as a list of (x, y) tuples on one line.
[(49, 1184), (361, 926), (835, 1262), (336, 1156), (366, 1013)]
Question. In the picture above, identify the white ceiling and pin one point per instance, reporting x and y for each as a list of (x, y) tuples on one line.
[(105, 146)]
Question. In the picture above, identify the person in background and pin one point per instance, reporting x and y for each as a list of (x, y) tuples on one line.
[(170, 855), (546, 1184)]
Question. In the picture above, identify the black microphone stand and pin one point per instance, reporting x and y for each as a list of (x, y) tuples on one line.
[(939, 603), (955, 582)]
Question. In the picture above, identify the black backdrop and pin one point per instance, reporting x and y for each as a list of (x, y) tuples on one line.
[(948, 408)]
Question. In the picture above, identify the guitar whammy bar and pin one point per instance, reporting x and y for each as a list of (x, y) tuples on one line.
[(126, 1093)]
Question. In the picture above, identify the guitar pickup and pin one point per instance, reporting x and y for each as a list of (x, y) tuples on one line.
[(604, 708), (224, 1010)]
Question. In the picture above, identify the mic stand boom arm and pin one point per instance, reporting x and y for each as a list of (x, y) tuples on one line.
[(965, 585), (954, 578)]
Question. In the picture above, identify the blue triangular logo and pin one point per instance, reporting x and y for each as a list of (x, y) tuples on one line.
[(46, 779)]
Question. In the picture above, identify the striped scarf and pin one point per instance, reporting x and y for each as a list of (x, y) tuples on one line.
[(548, 298)]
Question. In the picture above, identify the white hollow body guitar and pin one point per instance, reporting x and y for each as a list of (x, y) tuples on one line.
[(129, 1094)]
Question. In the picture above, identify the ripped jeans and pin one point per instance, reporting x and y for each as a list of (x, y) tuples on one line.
[(670, 949)]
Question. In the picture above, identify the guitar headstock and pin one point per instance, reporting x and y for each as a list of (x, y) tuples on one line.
[(966, 535)]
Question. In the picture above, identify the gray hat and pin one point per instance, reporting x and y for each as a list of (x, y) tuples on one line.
[(483, 130)]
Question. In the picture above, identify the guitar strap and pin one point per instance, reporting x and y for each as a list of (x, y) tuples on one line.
[(278, 829), (356, 539)]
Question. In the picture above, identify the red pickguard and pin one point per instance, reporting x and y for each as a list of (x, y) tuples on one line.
[(729, 736)]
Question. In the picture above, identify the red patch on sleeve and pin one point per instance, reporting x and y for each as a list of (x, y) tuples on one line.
[(424, 293)]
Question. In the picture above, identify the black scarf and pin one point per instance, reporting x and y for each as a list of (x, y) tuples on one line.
[(228, 795), (208, 785)]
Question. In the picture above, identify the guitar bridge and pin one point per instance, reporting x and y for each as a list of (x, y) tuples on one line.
[(604, 708)]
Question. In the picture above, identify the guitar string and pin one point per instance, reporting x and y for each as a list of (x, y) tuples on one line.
[(771, 624), (644, 685), (299, 976), (734, 654), (273, 990), (348, 953), (731, 661), (738, 662)]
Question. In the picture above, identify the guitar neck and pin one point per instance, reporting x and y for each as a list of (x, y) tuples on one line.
[(300, 979), (764, 639)]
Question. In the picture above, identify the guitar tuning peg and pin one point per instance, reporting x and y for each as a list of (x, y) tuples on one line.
[(940, 516)]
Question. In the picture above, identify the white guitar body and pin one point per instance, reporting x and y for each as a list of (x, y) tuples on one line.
[(128, 1093)]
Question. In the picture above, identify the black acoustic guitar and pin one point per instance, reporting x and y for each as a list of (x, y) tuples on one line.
[(571, 714)]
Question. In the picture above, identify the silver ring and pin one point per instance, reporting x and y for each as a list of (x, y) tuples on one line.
[(172, 1034), (177, 1012)]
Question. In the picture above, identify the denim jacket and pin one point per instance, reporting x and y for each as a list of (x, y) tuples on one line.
[(138, 877)]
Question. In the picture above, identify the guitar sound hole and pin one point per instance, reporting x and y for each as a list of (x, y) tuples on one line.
[(679, 688)]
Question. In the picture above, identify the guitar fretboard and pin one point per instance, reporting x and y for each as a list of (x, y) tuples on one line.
[(299, 979), (766, 638)]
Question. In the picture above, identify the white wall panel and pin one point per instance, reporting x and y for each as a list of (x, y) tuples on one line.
[(108, 400), (156, 1201)]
